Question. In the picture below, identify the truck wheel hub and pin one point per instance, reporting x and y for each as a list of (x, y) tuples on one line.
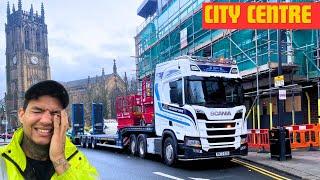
[(169, 152), (141, 148), (133, 144)]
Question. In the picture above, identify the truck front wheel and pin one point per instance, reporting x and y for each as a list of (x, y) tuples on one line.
[(133, 144), (169, 152)]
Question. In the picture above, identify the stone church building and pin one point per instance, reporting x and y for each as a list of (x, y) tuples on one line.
[(100, 89), (27, 58)]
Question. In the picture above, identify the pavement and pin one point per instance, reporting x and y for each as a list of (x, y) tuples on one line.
[(304, 164)]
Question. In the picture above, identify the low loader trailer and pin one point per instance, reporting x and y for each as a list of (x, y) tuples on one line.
[(191, 109)]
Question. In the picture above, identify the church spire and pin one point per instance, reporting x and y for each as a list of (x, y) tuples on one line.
[(126, 82), (19, 5), (13, 8), (125, 77), (114, 67), (8, 9), (42, 12), (31, 11), (102, 72)]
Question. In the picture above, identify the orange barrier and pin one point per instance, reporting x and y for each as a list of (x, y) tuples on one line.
[(258, 139), (303, 136)]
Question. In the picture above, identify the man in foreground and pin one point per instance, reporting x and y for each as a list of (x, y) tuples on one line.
[(40, 148)]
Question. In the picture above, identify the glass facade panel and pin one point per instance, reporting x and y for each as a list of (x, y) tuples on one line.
[(163, 33)]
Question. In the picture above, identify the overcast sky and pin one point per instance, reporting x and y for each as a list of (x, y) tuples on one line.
[(84, 36)]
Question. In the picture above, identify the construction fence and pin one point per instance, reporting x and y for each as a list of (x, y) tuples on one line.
[(301, 136)]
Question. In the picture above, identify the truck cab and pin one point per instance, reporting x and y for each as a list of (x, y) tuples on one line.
[(199, 111)]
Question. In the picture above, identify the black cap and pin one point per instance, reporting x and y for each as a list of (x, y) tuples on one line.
[(50, 88)]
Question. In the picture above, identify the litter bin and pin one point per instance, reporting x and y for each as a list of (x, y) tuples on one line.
[(280, 148)]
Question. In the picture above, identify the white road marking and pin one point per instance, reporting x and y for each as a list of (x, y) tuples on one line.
[(198, 178), (167, 175)]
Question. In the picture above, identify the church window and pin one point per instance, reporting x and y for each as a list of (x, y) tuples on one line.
[(27, 39), (38, 41)]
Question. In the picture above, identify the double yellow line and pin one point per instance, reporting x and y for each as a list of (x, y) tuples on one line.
[(260, 170)]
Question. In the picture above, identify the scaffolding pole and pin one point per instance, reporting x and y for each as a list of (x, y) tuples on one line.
[(318, 65), (270, 95), (257, 79)]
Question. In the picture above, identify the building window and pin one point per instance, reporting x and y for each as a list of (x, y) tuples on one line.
[(265, 108), (293, 103), (38, 41), (27, 39)]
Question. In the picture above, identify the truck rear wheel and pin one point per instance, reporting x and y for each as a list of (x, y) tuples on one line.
[(133, 144), (169, 151), (142, 145)]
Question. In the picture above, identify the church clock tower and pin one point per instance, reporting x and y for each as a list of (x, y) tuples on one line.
[(27, 58)]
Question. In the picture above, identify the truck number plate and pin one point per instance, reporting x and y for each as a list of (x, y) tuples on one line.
[(224, 153)]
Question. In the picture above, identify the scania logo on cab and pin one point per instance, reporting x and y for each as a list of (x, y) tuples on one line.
[(220, 113)]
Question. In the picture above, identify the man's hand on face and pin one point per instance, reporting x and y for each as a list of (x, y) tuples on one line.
[(58, 140)]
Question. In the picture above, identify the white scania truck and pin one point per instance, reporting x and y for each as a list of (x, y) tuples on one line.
[(198, 113)]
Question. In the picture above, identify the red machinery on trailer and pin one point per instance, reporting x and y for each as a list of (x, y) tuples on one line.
[(135, 109)]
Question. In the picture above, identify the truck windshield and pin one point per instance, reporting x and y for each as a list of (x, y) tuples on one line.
[(213, 92)]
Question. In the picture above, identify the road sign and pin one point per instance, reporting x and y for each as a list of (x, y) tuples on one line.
[(282, 94), (279, 81)]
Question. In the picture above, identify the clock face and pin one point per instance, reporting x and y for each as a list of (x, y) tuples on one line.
[(14, 60), (34, 60)]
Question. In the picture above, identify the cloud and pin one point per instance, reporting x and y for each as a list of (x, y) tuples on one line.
[(83, 36)]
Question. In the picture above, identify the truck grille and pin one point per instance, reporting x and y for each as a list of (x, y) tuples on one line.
[(220, 125), (221, 140), (221, 132)]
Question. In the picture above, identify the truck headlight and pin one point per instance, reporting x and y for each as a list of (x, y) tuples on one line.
[(234, 71), (193, 142)]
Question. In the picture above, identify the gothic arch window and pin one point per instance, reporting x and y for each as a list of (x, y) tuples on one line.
[(27, 38), (38, 43), (12, 40)]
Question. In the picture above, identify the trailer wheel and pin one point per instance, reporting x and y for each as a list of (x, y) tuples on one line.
[(82, 142), (93, 144), (142, 145), (133, 144), (88, 143), (169, 152)]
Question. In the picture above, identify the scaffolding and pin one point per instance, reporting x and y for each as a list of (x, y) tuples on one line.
[(160, 39)]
